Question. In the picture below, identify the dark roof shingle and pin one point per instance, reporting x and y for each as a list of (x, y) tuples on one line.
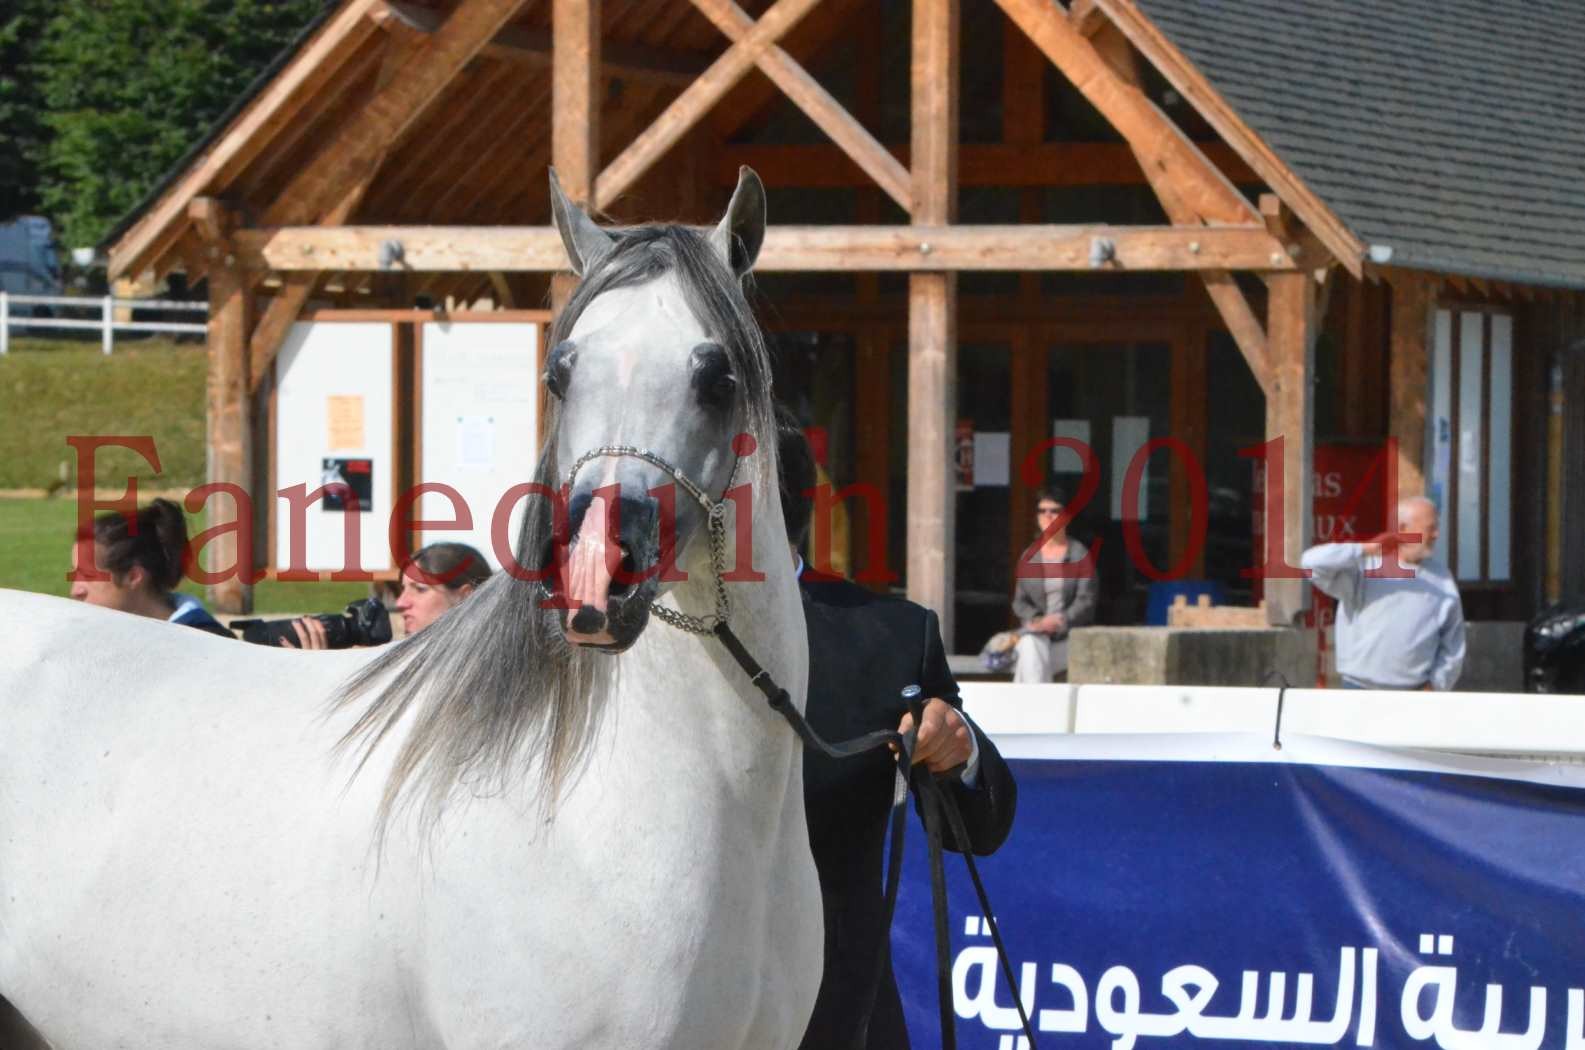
[(1452, 131)]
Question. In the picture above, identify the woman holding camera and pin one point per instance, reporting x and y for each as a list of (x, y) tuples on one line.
[(138, 561), (434, 580)]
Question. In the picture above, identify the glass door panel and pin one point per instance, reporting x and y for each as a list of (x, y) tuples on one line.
[(1115, 398)]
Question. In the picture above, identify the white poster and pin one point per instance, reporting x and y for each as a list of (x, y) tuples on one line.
[(1065, 460), (1129, 435), (476, 442), (992, 452), (479, 384), (334, 406)]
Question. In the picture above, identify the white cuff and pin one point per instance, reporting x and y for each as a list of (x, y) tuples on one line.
[(971, 768)]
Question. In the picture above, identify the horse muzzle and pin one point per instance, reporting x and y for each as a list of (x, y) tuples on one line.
[(607, 573)]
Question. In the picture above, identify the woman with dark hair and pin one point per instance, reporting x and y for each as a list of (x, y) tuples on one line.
[(139, 560), (1049, 606), (434, 579)]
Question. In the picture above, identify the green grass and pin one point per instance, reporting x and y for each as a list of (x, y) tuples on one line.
[(52, 389), (35, 555)]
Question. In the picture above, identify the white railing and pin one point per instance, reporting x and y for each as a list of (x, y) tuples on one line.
[(105, 323)]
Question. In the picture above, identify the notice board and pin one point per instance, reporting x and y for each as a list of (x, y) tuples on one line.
[(334, 410), (479, 432)]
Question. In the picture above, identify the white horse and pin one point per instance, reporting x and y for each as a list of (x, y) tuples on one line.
[(492, 837)]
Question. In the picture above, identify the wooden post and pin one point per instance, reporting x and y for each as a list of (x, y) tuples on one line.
[(575, 112), (932, 316), (1409, 375), (1290, 328), (229, 431)]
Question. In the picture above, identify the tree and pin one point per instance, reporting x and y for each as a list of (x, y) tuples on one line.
[(21, 126), (130, 86)]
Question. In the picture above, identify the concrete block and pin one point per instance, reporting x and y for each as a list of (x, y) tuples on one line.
[(1199, 656)]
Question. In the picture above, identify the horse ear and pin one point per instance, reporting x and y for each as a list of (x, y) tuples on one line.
[(585, 242), (741, 230)]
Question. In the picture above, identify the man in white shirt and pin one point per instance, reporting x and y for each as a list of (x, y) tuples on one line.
[(1400, 624)]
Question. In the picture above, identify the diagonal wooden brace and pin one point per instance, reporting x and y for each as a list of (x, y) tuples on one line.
[(817, 103)]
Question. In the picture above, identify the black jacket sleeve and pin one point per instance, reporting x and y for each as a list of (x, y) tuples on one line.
[(988, 806)]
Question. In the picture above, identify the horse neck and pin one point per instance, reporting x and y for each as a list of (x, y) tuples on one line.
[(767, 617)]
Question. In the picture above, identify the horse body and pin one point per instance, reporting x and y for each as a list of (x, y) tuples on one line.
[(184, 862), (497, 833), (172, 828)]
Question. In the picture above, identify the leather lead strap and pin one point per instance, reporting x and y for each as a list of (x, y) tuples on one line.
[(934, 803)]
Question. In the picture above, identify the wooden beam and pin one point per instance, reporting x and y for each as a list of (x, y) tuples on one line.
[(1249, 335), (1409, 369), (1192, 85), (228, 424), (1290, 415), (1086, 17), (278, 318), (534, 48), (696, 99), (926, 249), (1003, 164), (354, 153), (213, 221), (932, 316), (575, 113), (277, 107), (818, 104), (1154, 137), (748, 104), (269, 334)]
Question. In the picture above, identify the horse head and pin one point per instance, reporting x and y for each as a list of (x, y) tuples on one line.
[(657, 369)]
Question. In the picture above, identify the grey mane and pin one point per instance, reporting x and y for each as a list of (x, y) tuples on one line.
[(492, 687)]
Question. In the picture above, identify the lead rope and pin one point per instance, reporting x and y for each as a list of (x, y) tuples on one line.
[(933, 803)]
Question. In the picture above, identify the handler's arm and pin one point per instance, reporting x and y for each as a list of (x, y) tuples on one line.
[(988, 805)]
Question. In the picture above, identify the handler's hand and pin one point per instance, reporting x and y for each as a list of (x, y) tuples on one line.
[(310, 634), (943, 742)]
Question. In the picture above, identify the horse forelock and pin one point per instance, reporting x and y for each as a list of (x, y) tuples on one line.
[(492, 692)]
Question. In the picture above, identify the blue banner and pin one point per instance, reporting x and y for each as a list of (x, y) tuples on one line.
[(1211, 891)]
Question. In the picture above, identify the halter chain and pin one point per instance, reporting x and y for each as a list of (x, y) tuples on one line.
[(715, 523)]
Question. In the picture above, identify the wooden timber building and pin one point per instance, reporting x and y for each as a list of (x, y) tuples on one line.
[(1220, 221)]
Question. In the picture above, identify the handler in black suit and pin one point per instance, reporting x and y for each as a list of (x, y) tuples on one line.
[(863, 649)]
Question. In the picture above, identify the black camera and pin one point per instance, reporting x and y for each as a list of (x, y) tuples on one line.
[(364, 623)]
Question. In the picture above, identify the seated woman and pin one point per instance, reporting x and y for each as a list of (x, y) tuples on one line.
[(141, 563), (434, 579), (1048, 607)]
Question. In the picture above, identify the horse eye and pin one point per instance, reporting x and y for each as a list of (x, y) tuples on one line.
[(558, 368), (713, 381)]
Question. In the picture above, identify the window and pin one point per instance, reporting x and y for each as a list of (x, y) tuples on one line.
[(1469, 443)]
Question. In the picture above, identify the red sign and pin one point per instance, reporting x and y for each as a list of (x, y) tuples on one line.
[(1349, 502)]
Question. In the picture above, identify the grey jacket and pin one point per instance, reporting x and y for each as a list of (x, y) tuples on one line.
[(1077, 595)]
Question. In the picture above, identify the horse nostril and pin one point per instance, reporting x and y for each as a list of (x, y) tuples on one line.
[(588, 620)]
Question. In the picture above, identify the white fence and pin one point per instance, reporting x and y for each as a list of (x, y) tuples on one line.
[(1538, 727), (106, 323)]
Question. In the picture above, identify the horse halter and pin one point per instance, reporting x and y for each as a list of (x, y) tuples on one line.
[(715, 525)]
